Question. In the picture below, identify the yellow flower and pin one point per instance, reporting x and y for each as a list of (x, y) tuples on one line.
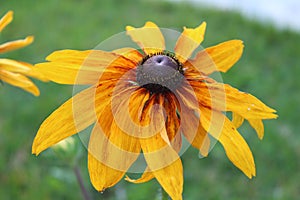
[(15, 72), (147, 101)]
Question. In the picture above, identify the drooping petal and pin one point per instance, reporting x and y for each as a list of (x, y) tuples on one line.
[(112, 150), (6, 19), (73, 116), (162, 159), (148, 37), (16, 44), (127, 106), (237, 120), (119, 148), (108, 162), (165, 164), (20, 81), (188, 41), (146, 176), (83, 67), (102, 176), (218, 58), (258, 126), (194, 132), (236, 148)]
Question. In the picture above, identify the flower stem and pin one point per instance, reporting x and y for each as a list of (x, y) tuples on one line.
[(84, 192)]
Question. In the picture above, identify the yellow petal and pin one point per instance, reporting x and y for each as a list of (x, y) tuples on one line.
[(237, 120), (258, 126), (110, 156), (131, 54), (236, 148), (102, 176), (127, 106), (111, 145), (247, 105), (6, 19), (223, 97), (73, 116), (171, 179), (83, 67), (194, 132), (17, 44), (146, 176), (188, 41), (165, 165), (161, 158), (148, 37), (218, 58), (20, 81), (20, 67), (111, 150)]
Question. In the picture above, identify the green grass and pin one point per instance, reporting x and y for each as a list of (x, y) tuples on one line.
[(269, 69)]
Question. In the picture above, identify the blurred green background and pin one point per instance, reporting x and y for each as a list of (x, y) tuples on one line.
[(269, 69)]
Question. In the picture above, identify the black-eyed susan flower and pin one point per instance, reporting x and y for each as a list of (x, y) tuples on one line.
[(16, 72), (146, 101)]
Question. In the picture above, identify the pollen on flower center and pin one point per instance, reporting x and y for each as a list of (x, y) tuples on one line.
[(159, 73)]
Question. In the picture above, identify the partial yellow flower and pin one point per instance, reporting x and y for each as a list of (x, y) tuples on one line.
[(146, 102), (16, 72)]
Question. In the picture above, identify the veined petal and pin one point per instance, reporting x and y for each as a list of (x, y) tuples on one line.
[(171, 179), (20, 81), (108, 162), (127, 105), (218, 58), (236, 148), (20, 67), (165, 165), (6, 19), (111, 150), (111, 145), (148, 37), (188, 41), (101, 175), (83, 67), (73, 116), (223, 97), (131, 54), (247, 105), (162, 159), (17, 44)]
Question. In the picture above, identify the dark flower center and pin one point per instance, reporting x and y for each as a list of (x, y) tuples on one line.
[(159, 73)]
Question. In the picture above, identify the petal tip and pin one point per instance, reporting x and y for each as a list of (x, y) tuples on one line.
[(129, 28)]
